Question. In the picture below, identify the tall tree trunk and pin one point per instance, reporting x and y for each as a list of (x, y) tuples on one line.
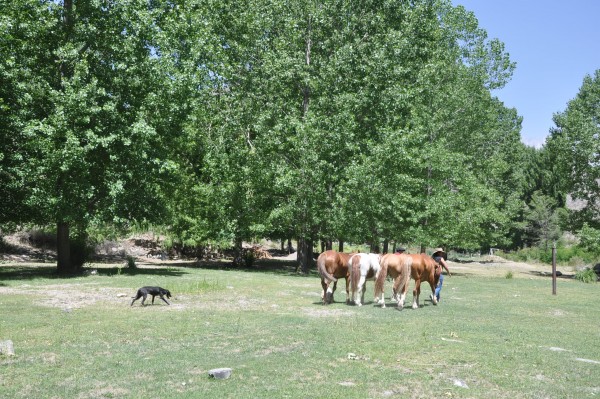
[(63, 249), (237, 252), (385, 246), (305, 255), (341, 246)]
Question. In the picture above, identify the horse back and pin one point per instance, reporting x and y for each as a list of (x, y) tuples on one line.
[(336, 263), (423, 267)]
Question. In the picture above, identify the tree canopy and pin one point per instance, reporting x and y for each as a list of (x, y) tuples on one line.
[(225, 121)]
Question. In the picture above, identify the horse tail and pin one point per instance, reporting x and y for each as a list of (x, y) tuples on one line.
[(323, 271), (380, 281), (406, 271), (354, 272)]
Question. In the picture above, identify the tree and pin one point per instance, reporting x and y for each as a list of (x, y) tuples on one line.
[(94, 153), (574, 147), (543, 219)]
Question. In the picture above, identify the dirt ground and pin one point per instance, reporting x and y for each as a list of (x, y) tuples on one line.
[(69, 297), (146, 251)]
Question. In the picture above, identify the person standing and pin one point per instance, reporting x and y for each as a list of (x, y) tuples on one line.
[(440, 257)]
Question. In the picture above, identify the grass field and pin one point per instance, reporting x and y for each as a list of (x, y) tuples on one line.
[(490, 337)]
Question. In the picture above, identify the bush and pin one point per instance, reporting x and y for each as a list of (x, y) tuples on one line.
[(131, 262), (572, 255), (508, 275), (586, 275)]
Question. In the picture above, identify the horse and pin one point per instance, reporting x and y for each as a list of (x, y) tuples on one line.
[(363, 267), (398, 267), (423, 268), (333, 265)]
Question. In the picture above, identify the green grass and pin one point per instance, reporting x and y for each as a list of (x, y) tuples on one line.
[(502, 338)]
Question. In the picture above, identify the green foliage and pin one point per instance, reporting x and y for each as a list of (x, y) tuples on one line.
[(586, 275), (131, 262), (350, 121), (564, 255), (573, 148), (590, 239), (543, 219), (508, 275)]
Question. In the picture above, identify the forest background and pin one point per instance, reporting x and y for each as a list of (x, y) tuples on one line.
[(219, 122)]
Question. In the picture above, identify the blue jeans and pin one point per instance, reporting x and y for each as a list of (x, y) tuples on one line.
[(439, 286)]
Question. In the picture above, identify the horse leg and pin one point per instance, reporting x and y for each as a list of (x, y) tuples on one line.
[(332, 291), (347, 291), (324, 287), (361, 284), (402, 293), (416, 293), (433, 295), (362, 294), (398, 298)]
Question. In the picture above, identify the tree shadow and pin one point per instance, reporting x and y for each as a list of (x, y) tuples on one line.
[(267, 266), (275, 267), (50, 272)]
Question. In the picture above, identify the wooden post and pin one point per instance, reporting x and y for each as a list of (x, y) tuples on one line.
[(554, 269)]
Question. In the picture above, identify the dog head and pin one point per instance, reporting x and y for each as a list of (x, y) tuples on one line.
[(167, 293)]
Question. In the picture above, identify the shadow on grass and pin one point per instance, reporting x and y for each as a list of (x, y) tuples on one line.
[(268, 266), (50, 272), (173, 269), (559, 274)]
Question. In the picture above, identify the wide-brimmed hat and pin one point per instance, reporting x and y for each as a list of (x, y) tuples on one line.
[(440, 251)]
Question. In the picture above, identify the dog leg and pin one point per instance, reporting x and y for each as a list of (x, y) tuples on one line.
[(161, 297)]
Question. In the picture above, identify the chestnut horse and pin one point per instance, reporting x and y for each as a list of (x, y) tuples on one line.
[(333, 265), (398, 267), (423, 268), (363, 267)]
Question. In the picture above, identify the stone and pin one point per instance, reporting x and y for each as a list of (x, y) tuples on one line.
[(220, 373), (7, 348)]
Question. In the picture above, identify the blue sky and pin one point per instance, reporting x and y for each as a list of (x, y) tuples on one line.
[(554, 43)]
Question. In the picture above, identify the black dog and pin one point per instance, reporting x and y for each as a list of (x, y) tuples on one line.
[(154, 291)]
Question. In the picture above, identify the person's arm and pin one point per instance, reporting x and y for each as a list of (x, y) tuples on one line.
[(445, 266)]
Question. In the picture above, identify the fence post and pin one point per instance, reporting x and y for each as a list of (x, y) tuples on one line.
[(554, 268)]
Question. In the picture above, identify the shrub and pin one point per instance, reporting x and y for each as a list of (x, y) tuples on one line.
[(508, 275), (586, 275), (131, 262)]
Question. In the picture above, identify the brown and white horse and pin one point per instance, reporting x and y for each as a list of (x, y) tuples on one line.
[(423, 269), (363, 267), (333, 265), (398, 267)]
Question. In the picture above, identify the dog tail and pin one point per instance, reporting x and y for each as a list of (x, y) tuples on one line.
[(322, 271)]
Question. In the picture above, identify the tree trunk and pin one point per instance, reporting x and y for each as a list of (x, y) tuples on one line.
[(63, 249), (385, 246), (341, 246), (305, 255), (237, 253)]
